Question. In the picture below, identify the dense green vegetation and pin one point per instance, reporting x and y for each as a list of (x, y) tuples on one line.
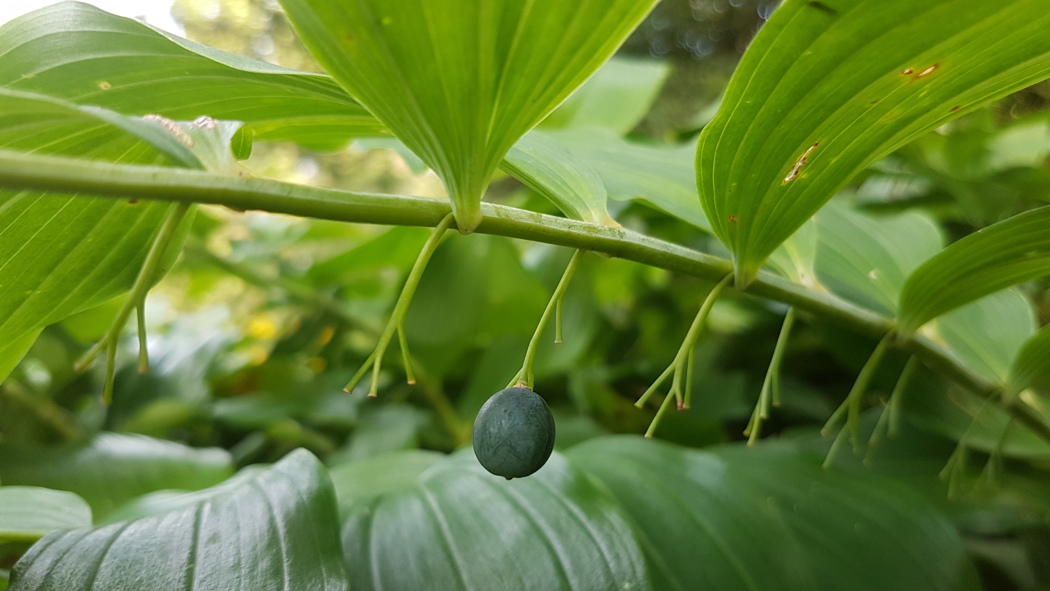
[(818, 289)]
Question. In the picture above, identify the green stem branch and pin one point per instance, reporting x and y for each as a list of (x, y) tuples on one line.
[(397, 317), (22, 171), (136, 299), (524, 377)]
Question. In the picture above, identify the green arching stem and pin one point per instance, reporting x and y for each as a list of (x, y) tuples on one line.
[(681, 359), (61, 174), (851, 405), (397, 317), (524, 376), (136, 299), (769, 395)]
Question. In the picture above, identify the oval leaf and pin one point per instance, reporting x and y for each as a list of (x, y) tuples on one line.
[(460, 81), (991, 259), (457, 527), (771, 518), (828, 87), (264, 529)]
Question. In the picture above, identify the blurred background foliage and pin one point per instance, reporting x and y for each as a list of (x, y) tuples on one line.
[(263, 320)]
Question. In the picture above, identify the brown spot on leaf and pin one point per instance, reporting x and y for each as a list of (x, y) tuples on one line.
[(907, 72), (954, 109), (797, 169), (928, 71)]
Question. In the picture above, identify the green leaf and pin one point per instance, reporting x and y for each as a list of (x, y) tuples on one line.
[(362, 480), (865, 258), (61, 254), (771, 518), (113, 468), (450, 523), (572, 185), (733, 518), (986, 335), (27, 513), (460, 81), (937, 405), (660, 175), (617, 97), (1031, 367), (79, 53), (993, 258), (272, 528), (828, 87)]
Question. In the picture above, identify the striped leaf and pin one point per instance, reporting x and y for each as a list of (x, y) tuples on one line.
[(460, 81), (828, 87)]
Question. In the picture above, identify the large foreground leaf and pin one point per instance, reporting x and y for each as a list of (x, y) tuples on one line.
[(113, 468), (661, 517), (459, 81), (996, 257), (772, 518), (77, 52), (827, 87), (454, 526), (271, 528)]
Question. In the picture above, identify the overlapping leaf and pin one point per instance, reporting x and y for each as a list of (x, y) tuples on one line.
[(60, 254), (1031, 368), (660, 175), (827, 87), (772, 518), (996, 257), (457, 527), (549, 169), (460, 81), (732, 518), (28, 513), (617, 97), (79, 53), (113, 468), (866, 258), (263, 529)]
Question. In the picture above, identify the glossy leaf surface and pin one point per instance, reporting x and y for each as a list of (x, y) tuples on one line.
[(772, 518), (828, 87), (456, 526), (272, 528), (731, 518), (460, 81)]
